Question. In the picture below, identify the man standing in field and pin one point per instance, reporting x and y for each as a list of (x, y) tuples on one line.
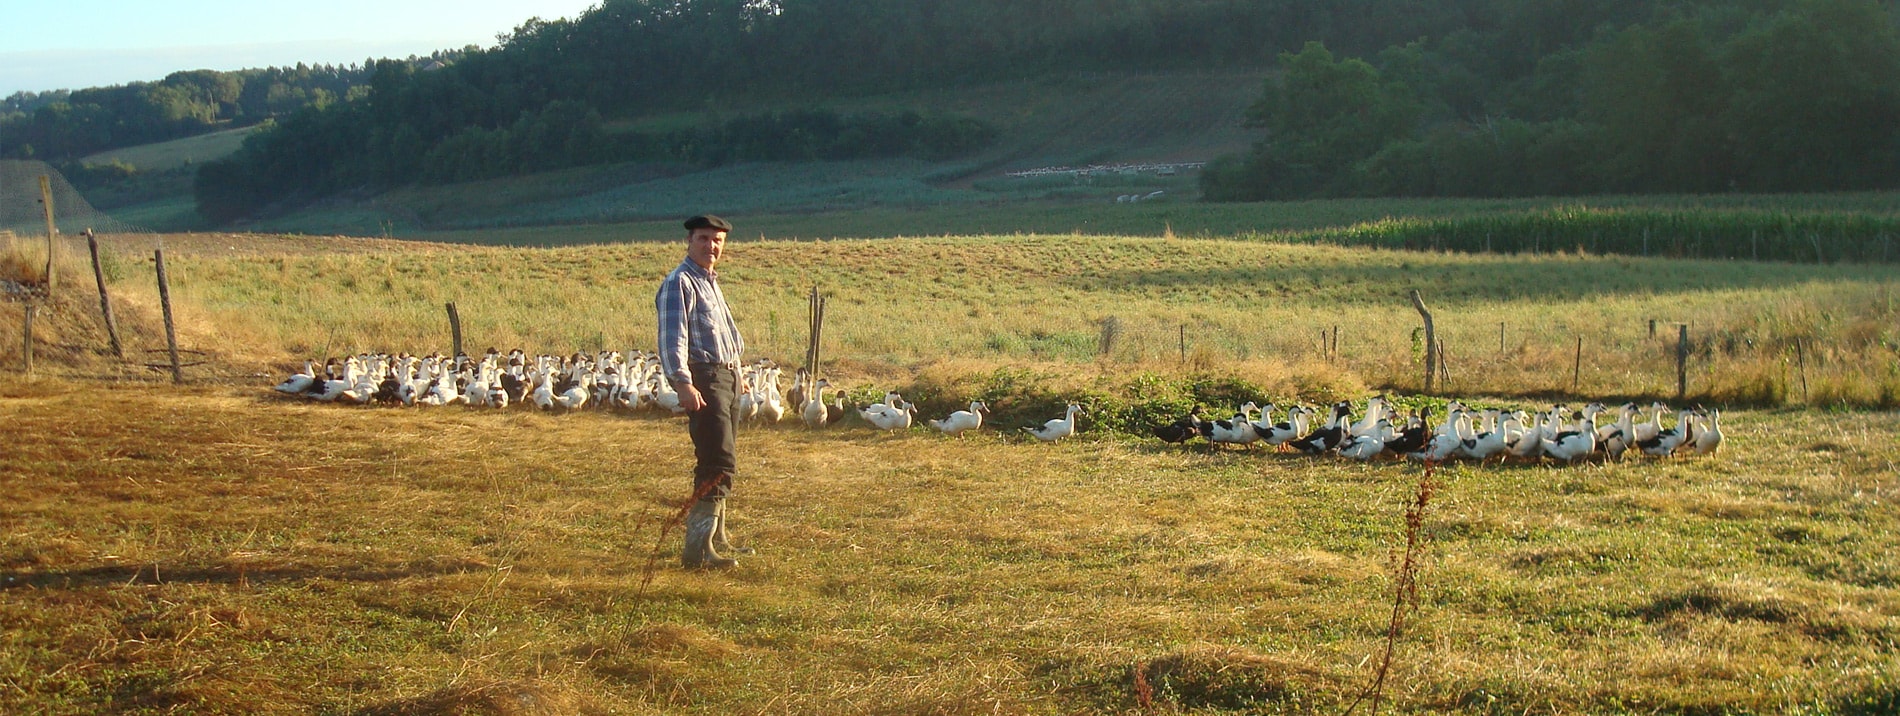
[(700, 349)]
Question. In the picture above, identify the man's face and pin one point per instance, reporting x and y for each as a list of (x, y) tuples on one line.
[(704, 246)]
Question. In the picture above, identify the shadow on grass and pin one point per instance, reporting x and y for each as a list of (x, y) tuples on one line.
[(147, 574)]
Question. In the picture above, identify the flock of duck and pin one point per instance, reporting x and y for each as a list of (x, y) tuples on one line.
[(604, 380), (612, 381), (1465, 433)]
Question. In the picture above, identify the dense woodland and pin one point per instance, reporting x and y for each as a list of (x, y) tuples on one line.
[(1695, 98), (1375, 97)]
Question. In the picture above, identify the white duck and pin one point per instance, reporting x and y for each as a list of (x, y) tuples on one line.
[(298, 382), (1709, 438), (1057, 429), (1668, 441), (1371, 444), (962, 421), (892, 417), (815, 412), (1570, 445)]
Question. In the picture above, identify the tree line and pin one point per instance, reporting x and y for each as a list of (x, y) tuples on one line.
[(63, 125), (1795, 96)]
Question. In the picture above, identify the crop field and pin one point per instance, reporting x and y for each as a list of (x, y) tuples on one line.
[(165, 156), (218, 548)]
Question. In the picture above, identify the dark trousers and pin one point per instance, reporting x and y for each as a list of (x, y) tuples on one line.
[(712, 428)]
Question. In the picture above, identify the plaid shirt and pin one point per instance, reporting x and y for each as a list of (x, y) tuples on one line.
[(695, 324)]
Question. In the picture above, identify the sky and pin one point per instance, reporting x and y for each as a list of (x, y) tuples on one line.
[(74, 44)]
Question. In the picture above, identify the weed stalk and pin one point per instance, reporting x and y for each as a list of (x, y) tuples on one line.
[(1405, 586)]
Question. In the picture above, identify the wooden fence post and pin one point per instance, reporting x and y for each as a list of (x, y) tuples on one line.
[(52, 249), (1500, 336), (105, 302), (1184, 344), (165, 301), (1431, 340), (814, 353), (1801, 364), (455, 328), (1682, 360), (1576, 369), (26, 341)]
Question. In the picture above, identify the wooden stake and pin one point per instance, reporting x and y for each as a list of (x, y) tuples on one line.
[(105, 302), (1801, 363), (26, 343), (1431, 340), (46, 202), (1184, 344), (165, 302), (455, 328), (1682, 360), (1500, 336), (1576, 369)]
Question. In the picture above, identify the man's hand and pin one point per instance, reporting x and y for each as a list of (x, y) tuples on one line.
[(690, 400)]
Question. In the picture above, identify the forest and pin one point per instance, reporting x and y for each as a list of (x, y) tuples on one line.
[(1369, 97)]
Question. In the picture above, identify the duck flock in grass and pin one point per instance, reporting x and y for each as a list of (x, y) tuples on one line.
[(605, 380), (609, 380), (1465, 433)]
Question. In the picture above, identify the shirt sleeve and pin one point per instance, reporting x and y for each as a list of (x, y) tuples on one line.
[(670, 306)]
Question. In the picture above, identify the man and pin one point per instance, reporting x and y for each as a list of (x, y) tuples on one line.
[(700, 350)]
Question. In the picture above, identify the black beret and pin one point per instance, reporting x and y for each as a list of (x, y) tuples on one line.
[(708, 221)]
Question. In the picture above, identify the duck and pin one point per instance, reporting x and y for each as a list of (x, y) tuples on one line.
[(1058, 428), (665, 396), (772, 408), (298, 382), (1180, 431), (1414, 437), (1371, 444), (575, 397), (1569, 445), (1327, 438), (1376, 410), (815, 412), (1709, 438), (1615, 440), (1279, 434), (1238, 430), (897, 417), (957, 423), (1666, 442), (1487, 442), (1529, 444), (1648, 430), (544, 392)]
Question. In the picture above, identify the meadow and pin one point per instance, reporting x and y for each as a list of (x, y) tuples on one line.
[(216, 548)]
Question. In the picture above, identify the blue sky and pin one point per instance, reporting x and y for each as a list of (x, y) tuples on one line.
[(72, 44)]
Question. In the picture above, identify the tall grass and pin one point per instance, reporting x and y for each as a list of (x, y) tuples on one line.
[(1724, 233), (1249, 310)]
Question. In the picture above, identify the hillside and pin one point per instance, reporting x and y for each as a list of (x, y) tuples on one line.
[(1077, 120)]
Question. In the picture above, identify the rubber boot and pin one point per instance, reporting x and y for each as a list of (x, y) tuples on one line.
[(722, 543), (701, 522)]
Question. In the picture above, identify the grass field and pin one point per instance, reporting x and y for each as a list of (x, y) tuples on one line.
[(213, 548), (216, 550)]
